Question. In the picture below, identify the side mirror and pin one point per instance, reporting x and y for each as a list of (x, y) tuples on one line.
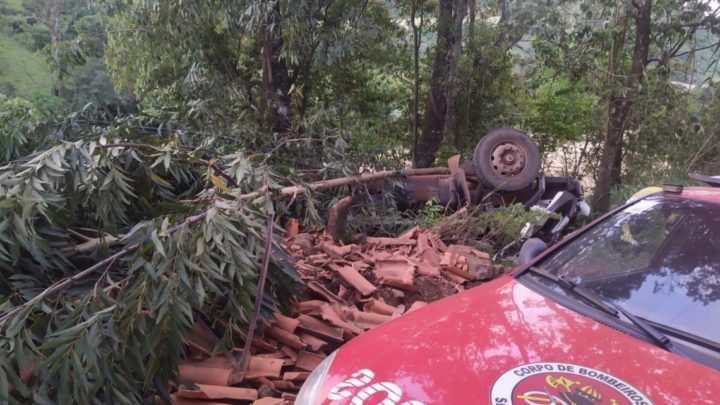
[(531, 249)]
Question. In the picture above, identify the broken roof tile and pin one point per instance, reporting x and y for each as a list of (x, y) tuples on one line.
[(308, 361), (263, 367), (205, 391), (296, 375), (356, 280), (285, 322), (285, 337), (379, 307), (390, 241), (320, 328), (395, 273)]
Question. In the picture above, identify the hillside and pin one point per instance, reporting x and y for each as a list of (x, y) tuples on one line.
[(22, 72)]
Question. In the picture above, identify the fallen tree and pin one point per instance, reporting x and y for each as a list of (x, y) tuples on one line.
[(112, 251)]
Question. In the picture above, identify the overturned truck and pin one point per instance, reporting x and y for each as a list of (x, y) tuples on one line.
[(505, 169)]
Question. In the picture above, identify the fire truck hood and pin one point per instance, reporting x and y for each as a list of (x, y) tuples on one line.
[(502, 343)]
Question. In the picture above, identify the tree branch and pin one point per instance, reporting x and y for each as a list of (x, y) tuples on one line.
[(245, 355), (284, 192)]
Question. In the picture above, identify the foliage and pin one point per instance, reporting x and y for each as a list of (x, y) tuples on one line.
[(494, 229), (117, 333), (340, 56), (19, 122)]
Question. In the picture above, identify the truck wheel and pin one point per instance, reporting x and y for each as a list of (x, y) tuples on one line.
[(506, 159)]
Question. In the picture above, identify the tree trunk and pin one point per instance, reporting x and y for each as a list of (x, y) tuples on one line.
[(444, 62), (453, 82), (619, 108), (417, 41), (276, 80)]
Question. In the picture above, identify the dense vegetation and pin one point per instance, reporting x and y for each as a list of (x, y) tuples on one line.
[(132, 132)]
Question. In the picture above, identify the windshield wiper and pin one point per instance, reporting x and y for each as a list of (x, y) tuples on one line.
[(611, 308), (650, 331), (572, 287)]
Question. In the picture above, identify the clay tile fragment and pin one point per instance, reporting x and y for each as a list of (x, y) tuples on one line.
[(390, 241), (430, 256), (205, 391), (366, 320), (379, 307), (176, 399), (296, 375), (308, 361), (292, 228), (263, 367), (395, 273), (292, 354), (202, 340), (270, 401), (356, 280), (284, 385), (285, 337), (330, 315), (216, 370), (427, 269), (312, 342), (310, 307), (453, 277), (416, 305), (410, 233), (320, 328), (320, 290), (285, 322), (460, 272), (335, 250)]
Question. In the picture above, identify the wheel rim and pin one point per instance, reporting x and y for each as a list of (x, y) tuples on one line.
[(508, 159)]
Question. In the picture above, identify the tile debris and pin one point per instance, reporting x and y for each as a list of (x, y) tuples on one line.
[(350, 289)]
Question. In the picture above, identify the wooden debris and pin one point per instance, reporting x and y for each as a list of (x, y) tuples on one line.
[(337, 219)]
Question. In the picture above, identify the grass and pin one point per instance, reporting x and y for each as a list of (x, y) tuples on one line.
[(25, 71), (620, 195), (12, 4)]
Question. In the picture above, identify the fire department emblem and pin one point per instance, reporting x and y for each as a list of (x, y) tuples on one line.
[(563, 384)]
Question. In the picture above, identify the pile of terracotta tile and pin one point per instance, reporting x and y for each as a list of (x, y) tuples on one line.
[(351, 288)]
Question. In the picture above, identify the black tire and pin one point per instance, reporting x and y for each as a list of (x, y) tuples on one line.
[(515, 169)]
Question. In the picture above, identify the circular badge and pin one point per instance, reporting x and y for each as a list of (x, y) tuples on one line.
[(563, 384)]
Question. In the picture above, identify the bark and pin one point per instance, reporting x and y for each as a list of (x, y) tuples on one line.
[(448, 38), (276, 80), (619, 108), (54, 19), (417, 41), (453, 82)]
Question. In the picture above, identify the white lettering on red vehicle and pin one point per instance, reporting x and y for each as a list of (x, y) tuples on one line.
[(563, 384), (361, 379)]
